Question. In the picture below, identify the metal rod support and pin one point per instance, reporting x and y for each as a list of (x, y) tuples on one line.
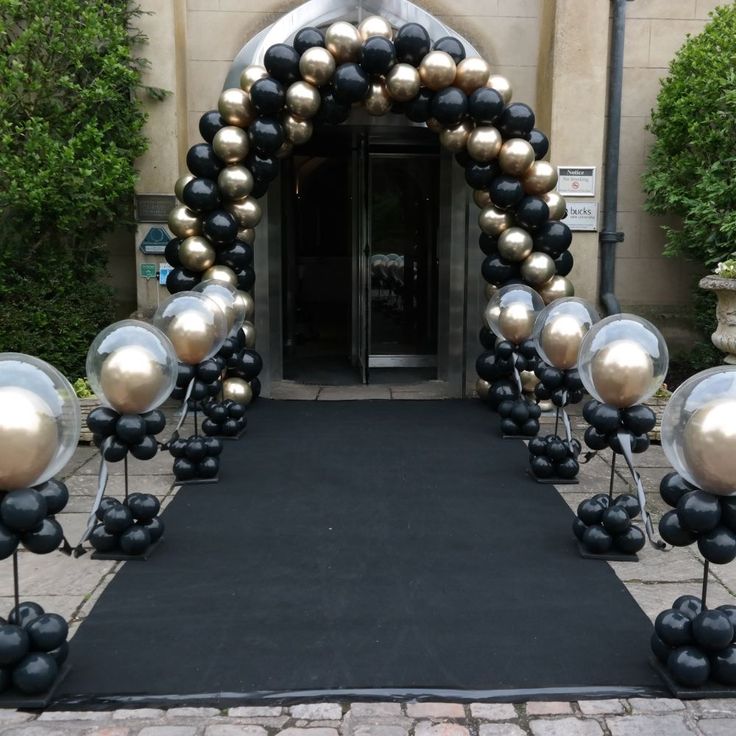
[(704, 595), (16, 587), (125, 475), (613, 473)]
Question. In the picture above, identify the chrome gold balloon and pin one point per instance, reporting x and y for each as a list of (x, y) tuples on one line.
[(515, 244), (285, 149), (492, 311), (560, 340), (516, 322), (490, 290), (437, 70), (557, 205), (192, 336), (484, 143), (516, 156), (247, 235), (481, 198), (235, 107), (250, 334), (221, 273), (317, 65), (556, 288), (493, 221), (472, 73), (231, 144), (343, 41), (131, 379), (302, 99), (247, 212), (235, 182), (540, 178), (29, 437), (435, 125), (529, 381), (238, 390), (502, 86), (403, 82), (247, 304), (297, 131), (537, 268), (250, 75), (375, 25), (622, 372), (482, 388), (709, 446), (454, 139), (184, 223), (196, 253), (378, 102), (181, 182)]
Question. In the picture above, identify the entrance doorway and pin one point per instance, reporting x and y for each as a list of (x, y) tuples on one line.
[(360, 258)]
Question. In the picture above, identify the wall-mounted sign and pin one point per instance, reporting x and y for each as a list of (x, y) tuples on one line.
[(164, 269), (148, 270), (153, 207), (154, 241), (582, 216), (576, 181)]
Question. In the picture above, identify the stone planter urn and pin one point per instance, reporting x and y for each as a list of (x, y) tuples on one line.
[(724, 338)]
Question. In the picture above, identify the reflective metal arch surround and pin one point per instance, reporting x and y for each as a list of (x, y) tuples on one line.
[(324, 12)]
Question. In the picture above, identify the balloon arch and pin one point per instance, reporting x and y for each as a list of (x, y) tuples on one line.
[(316, 82)]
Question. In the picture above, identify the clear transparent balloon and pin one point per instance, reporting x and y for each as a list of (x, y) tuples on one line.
[(623, 360), (195, 324), (132, 366), (226, 297), (30, 385), (560, 328), (699, 430), (512, 311)]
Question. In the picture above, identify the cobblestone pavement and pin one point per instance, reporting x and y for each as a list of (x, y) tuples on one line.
[(71, 587)]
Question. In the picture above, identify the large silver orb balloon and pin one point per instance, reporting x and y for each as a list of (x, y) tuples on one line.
[(317, 65), (559, 331), (194, 323), (132, 366), (238, 390), (623, 360), (699, 430), (227, 299), (39, 421), (515, 244), (512, 311)]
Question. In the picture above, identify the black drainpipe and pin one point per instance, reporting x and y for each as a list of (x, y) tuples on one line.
[(610, 236)]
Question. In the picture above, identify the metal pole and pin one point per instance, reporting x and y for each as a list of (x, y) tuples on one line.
[(125, 473), (704, 595), (16, 588), (613, 471)]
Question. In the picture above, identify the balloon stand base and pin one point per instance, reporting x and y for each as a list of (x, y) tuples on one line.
[(197, 481), (709, 690), (122, 557), (232, 437), (608, 556), (515, 437), (14, 699), (554, 481)]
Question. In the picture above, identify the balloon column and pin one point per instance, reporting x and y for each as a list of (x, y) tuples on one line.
[(132, 368), (39, 430), (558, 333), (623, 360), (693, 643)]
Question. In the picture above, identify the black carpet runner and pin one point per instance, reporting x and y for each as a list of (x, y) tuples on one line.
[(359, 547)]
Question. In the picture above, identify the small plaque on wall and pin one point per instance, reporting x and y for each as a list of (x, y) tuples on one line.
[(582, 216), (576, 181), (153, 207)]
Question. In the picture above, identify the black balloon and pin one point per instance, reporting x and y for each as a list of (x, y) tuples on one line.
[(516, 121), (488, 244), (377, 55), (201, 195), (723, 666), (605, 418), (506, 191), (597, 540), (260, 188), (712, 630), (47, 632), (673, 628), (452, 46), (480, 176), (616, 520), (689, 605), (532, 212), (23, 510), (661, 650), (246, 278), (689, 666), (35, 673), (351, 83), (308, 37), (102, 540), (171, 252), (220, 227), (184, 469), (485, 105), (131, 428), (412, 43), (8, 541), (145, 449), (155, 421), (718, 545), (237, 256), (179, 279), (24, 613), (14, 644), (117, 519), (332, 110), (639, 418), (553, 238), (282, 63), (564, 263), (202, 161), (449, 106), (497, 271), (56, 495), (155, 528), (46, 539), (135, 540), (208, 467), (419, 110), (631, 541), (268, 96), (699, 511), (539, 142), (209, 124), (672, 531), (267, 135)]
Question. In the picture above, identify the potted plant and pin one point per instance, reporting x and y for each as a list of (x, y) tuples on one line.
[(723, 283), (87, 402)]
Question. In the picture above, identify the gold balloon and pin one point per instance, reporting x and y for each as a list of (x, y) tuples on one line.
[(472, 73), (238, 390), (184, 223), (196, 253), (303, 99), (537, 268), (492, 312), (250, 75), (502, 86), (493, 221), (622, 373), (455, 138), (515, 244), (556, 288), (378, 102), (317, 65), (343, 41), (435, 125), (560, 340), (235, 182), (516, 156), (709, 446), (250, 334), (247, 235), (221, 273), (29, 437), (437, 70), (540, 178), (490, 290), (484, 143), (481, 198), (557, 205), (516, 322), (546, 405), (285, 150), (247, 212), (192, 336), (246, 302), (482, 388), (403, 82), (529, 381), (231, 144), (181, 182), (297, 131), (131, 379), (235, 107), (375, 25)]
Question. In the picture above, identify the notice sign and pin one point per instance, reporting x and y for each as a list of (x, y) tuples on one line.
[(576, 181), (582, 216)]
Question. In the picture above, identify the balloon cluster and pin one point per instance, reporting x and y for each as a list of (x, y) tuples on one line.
[(27, 518), (697, 516), (559, 386), (196, 457), (696, 644), (206, 377), (33, 647), (608, 424), (129, 527), (604, 524), (553, 457), (224, 418), (119, 434)]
